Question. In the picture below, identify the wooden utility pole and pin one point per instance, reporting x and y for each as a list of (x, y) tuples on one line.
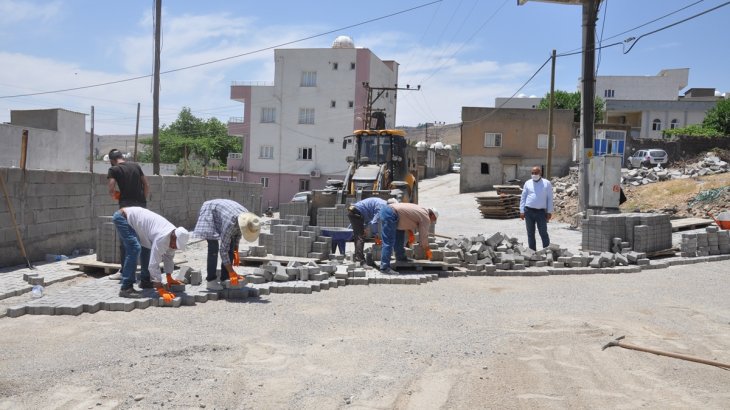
[(381, 90), (549, 165), (136, 134), (91, 143), (24, 149), (156, 92)]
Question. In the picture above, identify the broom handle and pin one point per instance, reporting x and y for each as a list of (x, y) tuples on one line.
[(12, 216)]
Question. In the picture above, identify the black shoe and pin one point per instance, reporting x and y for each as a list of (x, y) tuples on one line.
[(388, 271), (405, 260), (130, 293), (146, 284)]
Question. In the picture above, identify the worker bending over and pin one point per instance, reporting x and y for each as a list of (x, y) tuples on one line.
[(396, 219), (137, 228), (362, 215), (227, 221)]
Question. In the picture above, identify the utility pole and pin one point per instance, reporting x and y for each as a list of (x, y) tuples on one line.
[(91, 143), (587, 112), (136, 134), (156, 92), (549, 162)]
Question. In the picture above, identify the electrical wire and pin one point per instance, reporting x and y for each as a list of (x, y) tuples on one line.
[(174, 70)]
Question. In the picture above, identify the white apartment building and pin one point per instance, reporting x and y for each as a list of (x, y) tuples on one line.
[(293, 128), (651, 104)]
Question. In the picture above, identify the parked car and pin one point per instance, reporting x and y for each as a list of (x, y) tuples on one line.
[(647, 157), (456, 167), (304, 196)]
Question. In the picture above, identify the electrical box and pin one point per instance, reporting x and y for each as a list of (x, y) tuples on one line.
[(604, 180)]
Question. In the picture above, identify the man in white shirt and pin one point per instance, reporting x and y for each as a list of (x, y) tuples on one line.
[(536, 207), (139, 227)]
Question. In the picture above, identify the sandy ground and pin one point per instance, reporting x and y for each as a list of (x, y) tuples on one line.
[(465, 343)]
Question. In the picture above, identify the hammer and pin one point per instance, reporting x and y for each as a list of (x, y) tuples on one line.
[(619, 343)]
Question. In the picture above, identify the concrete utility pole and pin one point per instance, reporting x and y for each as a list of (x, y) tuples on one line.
[(381, 90), (136, 134), (156, 92), (587, 106), (91, 143), (549, 162)]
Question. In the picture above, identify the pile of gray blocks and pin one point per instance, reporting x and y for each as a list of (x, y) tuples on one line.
[(644, 232), (289, 209), (301, 240), (333, 217), (107, 241), (711, 242)]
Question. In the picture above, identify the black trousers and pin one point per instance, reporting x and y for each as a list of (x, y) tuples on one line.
[(358, 233)]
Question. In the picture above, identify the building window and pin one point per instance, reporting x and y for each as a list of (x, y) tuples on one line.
[(542, 141), (352, 66), (674, 124), (608, 93), (335, 66), (485, 168), (305, 153), (266, 152), (492, 139), (332, 140), (656, 125), (265, 182), (309, 79), (306, 115), (333, 104), (268, 114), (303, 185), (350, 104)]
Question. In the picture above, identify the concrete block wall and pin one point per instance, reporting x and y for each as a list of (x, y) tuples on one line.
[(57, 212)]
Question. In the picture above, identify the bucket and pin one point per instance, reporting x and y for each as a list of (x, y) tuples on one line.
[(722, 220)]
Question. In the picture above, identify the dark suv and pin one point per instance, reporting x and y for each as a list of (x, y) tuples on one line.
[(648, 158)]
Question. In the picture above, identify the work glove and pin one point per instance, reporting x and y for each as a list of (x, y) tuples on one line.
[(236, 258), (429, 254), (411, 237), (233, 278), (171, 281), (116, 195), (165, 294), (377, 240)]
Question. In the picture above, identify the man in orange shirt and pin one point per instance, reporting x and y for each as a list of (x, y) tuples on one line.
[(396, 219)]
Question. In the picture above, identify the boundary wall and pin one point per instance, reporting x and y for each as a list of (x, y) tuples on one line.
[(57, 212)]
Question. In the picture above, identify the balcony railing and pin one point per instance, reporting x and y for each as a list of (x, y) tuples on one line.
[(235, 120), (253, 83)]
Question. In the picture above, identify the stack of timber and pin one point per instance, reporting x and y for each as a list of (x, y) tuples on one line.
[(503, 204)]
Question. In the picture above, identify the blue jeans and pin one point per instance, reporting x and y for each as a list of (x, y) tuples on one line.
[(536, 217), (213, 248), (392, 237), (133, 250)]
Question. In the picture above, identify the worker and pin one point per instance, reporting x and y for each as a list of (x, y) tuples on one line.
[(396, 218), (536, 207), (227, 221), (133, 191), (140, 228), (362, 215)]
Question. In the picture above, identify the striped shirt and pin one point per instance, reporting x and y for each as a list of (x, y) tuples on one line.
[(218, 220)]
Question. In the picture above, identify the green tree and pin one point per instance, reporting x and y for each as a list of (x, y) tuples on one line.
[(571, 101), (694, 130), (189, 136), (718, 117)]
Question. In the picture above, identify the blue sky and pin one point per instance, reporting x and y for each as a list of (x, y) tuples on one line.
[(461, 52)]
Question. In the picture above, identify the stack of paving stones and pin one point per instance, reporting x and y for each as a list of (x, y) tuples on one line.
[(294, 237), (642, 231), (107, 241), (711, 242), (335, 217), (289, 209)]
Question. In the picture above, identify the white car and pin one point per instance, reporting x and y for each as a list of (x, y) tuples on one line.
[(304, 196), (648, 158), (456, 167)]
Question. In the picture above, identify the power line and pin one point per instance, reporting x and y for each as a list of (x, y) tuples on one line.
[(230, 57)]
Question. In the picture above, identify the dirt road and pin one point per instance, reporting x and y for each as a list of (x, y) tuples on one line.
[(465, 343)]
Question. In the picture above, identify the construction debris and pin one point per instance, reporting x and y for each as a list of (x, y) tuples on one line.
[(503, 204)]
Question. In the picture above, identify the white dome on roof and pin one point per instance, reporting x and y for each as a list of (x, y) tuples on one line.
[(343, 42), (438, 145), (448, 146), (421, 145)]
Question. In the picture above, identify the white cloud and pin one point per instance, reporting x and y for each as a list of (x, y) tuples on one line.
[(12, 11)]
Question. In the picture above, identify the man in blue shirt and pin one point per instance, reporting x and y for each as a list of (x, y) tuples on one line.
[(536, 207), (364, 214)]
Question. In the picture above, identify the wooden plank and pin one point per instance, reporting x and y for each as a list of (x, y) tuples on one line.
[(276, 258), (90, 262), (421, 264), (682, 224)]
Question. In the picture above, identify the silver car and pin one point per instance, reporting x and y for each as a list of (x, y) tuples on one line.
[(648, 158)]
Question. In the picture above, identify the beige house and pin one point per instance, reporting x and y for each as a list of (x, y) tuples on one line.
[(502, 145)]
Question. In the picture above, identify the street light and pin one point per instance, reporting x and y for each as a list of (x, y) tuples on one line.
[(587, 103)]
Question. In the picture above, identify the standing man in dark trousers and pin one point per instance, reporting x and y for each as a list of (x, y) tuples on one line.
[(364, 214), (536, 207), (227, 221), (133, 191)]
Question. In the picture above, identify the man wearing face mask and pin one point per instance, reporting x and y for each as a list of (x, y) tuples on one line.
[(536, 207)]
